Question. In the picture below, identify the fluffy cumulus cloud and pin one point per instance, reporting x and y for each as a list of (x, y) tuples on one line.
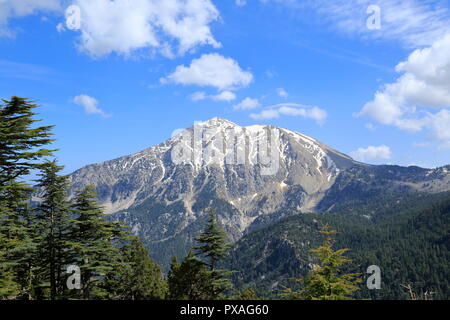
[(410, 102), (372, 153), (89, 104), (122, 26), (247, 104), (10, 9), (293, 110), (172, 27), (413, 22), (224, 96), (211, 70)]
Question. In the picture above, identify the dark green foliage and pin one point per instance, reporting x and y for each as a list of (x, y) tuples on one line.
[(146, 215), (94, 238), (325, 281), (21, 150), (54, 223), (197, 278), (8, 286), (20, 143), (37, 245), (189, 280), (407, 237), (138, 276), (212, 241), (213, 246), (246, 294)]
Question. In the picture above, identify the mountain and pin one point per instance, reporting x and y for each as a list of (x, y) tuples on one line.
[(408, 237), (248, 174)]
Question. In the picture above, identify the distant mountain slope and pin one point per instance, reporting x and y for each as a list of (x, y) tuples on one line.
[(409, 238), (249, 174)]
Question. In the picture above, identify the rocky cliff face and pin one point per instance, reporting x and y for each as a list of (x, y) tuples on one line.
[(249, 174)]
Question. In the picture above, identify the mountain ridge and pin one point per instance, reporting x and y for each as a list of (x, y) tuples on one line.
[(248, 174)]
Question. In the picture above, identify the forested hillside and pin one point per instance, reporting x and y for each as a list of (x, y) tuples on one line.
[(409, 238)]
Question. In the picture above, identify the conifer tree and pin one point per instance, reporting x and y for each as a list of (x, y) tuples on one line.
[(213, 246), (190, 280), (325, 281), (19, 237), (21, 150), (21, 145), (213, 241), (8, 286), (94, 242), (55, 223), (139, 277)]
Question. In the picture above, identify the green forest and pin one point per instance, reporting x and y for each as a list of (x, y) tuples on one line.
[(408, 237), (57, 247)]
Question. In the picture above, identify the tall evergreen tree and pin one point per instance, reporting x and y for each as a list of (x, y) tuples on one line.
[(213, 246), (94, 241), (55, 223), (16, 227), (8, 286), (21, 150), (21, 145), (212, 241), (190, 280), (139, 277), (325, 281)]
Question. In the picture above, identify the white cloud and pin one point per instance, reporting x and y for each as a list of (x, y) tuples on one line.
[(439, 125), (371, 153), (423, 86), (292, 109), (20, 8), (123, 26), (266, 114), (173, 27), (222, 96), (198, 96), (413, 22), (211, 70), (282, 93), (240, 3), (247, 104), (89, 104)]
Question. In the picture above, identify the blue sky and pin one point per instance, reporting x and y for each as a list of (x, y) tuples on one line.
[(123, 75)]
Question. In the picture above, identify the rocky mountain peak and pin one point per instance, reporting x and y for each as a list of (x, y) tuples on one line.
[(249, 174)]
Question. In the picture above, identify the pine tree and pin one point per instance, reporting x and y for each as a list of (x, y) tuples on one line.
[(213, 246), (213, 241), (21, 150), (20, 144), (19, 237), (325, 281), (55, 223), (94, 242), (189, 280), (139, 277), (8, 286)]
